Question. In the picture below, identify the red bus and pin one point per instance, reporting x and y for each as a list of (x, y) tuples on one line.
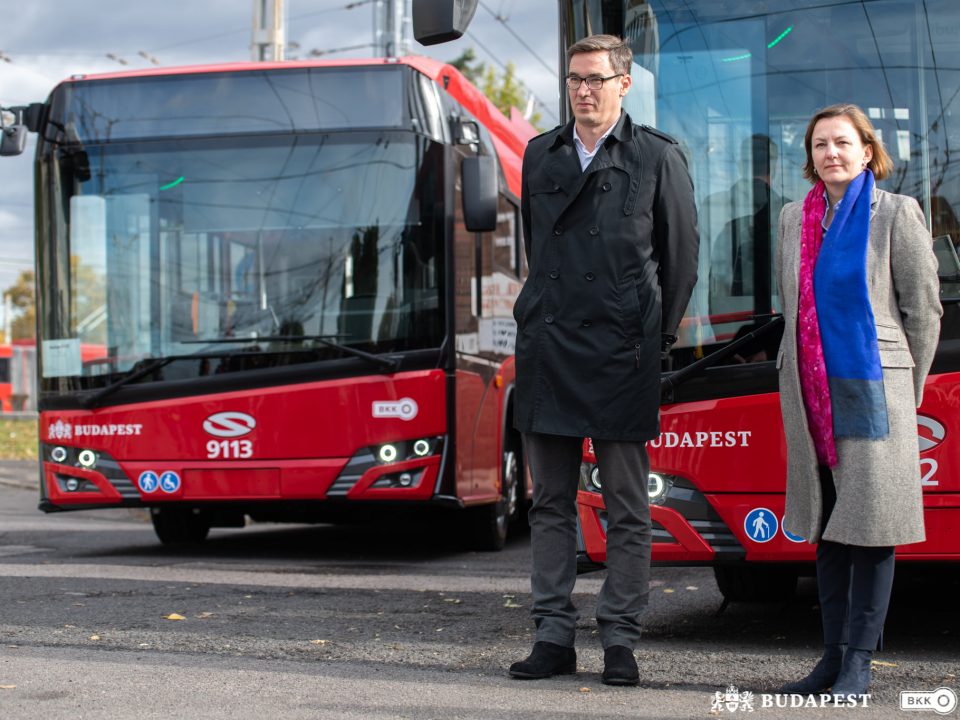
[(6, 377), (278, 290), (735, 82)]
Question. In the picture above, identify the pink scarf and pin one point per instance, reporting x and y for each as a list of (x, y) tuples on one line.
[(813, 370)]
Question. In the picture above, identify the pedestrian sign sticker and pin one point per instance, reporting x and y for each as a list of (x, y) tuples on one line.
[(790, 536), (148, 481), (760, 525), (169, 482)]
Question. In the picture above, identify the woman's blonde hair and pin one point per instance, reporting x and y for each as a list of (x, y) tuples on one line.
[(880, 163)]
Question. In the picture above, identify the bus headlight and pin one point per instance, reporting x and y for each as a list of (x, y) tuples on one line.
[(656, 487), (421, 448), (387, 453), (87, 458), (58, 454), (595, 477)]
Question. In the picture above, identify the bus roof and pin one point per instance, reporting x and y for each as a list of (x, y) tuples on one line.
[(510, 135)]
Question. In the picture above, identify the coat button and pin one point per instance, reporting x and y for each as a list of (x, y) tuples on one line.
[(586, 323), (606, 187), (556, 187), (594, 230), (548, 319), (554, 274), (590, 276), (558, 230)]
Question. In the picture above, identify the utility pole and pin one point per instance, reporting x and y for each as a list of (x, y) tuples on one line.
[(392, 28), (7, 318), (268, 32)]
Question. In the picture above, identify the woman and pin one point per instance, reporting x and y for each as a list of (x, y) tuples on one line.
[(858, 279)]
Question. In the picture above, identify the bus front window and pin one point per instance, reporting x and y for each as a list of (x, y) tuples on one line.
[(264, 240)]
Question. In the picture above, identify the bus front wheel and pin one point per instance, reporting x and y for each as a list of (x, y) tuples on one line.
[(491, 522), (175, 525)]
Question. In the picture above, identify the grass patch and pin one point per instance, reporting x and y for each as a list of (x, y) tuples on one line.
[(18, 439)]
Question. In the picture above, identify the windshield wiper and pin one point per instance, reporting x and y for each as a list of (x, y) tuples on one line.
[(92, 401), (669, 382), (391, 364)]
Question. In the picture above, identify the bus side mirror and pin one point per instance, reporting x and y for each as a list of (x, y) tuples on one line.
[(13, 138), (439, 21), (479, 181)]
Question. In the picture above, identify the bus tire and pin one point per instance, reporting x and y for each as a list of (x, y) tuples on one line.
[(755, 583), (177, 526), (491, 522)]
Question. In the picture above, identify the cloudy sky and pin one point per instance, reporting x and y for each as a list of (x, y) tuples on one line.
[(44, 41)]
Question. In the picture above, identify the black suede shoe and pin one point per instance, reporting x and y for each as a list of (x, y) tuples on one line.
[(854, 679), (619, 666), (546, 660), (823, 675)]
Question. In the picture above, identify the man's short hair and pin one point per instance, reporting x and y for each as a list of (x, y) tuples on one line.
[(620, 54)]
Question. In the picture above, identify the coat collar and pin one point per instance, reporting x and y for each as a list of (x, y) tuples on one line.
[(562, 164), (621, 132)]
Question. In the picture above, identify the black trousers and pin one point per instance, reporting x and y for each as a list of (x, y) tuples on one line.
[(624, 470), (854, 584)]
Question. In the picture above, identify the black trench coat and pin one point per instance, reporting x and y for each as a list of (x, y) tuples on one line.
[(613, 254)]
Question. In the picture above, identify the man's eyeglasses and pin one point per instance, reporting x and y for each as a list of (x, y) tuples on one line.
[(594, 82)]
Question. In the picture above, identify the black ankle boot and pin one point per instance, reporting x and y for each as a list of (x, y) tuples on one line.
[(854, 679), (823, 675), (619, 666), (547, 659)]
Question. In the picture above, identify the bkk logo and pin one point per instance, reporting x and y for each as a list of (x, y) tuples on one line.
[(229, 424), (404, 408)]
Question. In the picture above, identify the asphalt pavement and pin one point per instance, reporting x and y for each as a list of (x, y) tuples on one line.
[(101, 621)]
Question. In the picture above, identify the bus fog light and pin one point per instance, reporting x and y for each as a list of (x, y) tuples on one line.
[(421, 448), (72, 484), (595, 477), (656, 487), (388, 453), (405, 479), (87, 458), (58, 454)]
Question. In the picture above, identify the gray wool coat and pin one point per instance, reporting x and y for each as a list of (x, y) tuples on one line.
[(879, 499)]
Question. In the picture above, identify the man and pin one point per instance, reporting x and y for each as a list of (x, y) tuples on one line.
[(610, 231)]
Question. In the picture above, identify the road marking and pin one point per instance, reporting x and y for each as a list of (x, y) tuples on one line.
[(433, 583)]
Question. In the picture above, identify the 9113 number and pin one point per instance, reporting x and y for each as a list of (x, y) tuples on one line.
[(229, 449)]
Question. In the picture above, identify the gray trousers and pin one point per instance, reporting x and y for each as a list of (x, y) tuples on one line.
[(555, 465)]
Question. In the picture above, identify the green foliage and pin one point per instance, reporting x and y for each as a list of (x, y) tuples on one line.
[(504, 91), (22, 295), (18, 439)]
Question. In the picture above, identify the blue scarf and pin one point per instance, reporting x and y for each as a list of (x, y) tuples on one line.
[(847, 329)]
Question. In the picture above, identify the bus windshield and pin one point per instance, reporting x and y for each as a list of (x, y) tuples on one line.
[(736, 82), (158, 246)]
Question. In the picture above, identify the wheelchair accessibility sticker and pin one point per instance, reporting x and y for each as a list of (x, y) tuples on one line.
[(790, 536), (169, 482), (761, 525)]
